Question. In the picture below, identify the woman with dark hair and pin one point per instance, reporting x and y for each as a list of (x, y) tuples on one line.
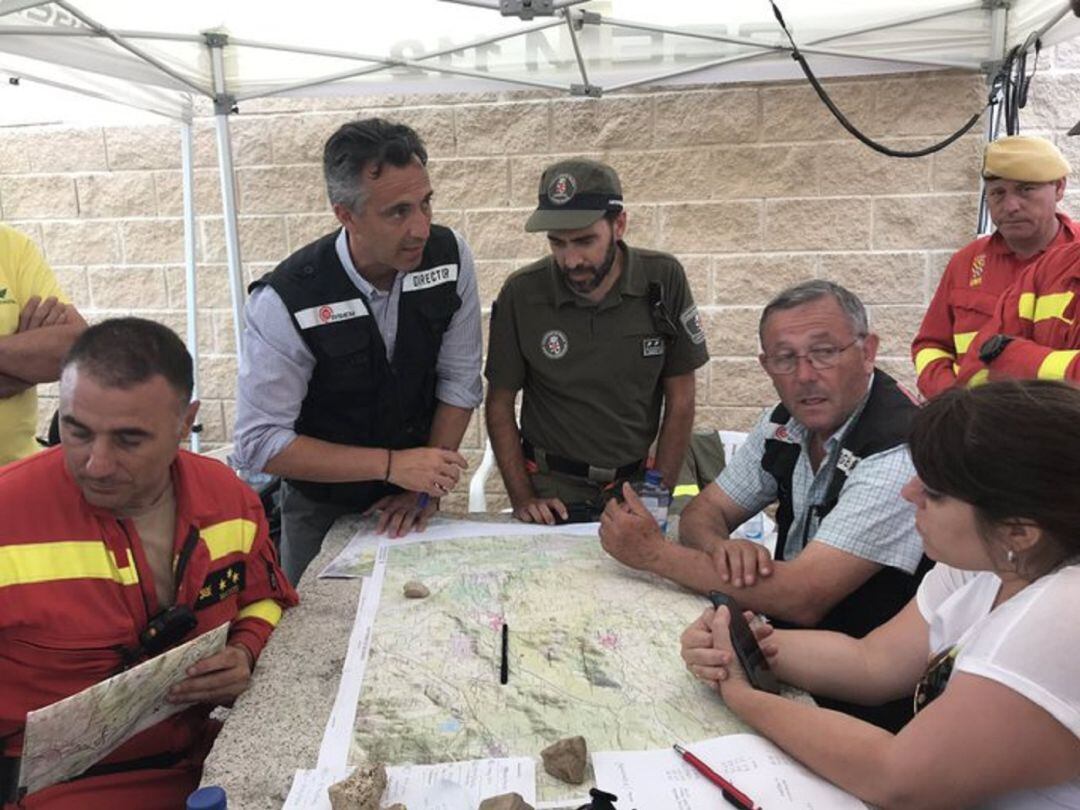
[(989, 645)]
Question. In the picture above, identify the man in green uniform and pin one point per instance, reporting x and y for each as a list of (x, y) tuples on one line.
[(599, 336)]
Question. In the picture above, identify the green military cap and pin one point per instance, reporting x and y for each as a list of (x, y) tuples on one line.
[(1025, 158), (574, 194)]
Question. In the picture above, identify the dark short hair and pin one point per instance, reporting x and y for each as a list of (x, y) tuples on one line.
[(1010, 450), (812, 290), (123, 352), (369, 143)]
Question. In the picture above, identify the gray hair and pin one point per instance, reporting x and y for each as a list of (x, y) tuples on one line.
[(371, 142), (814, 290)]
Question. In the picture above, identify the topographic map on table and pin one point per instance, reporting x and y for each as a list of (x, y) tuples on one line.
[(67, 737), (593, 650)]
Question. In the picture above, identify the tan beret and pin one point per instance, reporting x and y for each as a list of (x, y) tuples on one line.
[(1025, 158)]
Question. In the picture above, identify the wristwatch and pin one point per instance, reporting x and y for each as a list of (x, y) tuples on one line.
[(993, 347)]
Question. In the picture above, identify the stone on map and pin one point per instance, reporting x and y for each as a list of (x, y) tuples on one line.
[(416, 590), (506, 801), (361, 791), (565, 760)]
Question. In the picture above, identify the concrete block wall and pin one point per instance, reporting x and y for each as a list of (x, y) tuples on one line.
[(753, 187)]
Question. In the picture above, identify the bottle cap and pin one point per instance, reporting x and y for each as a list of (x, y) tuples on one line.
[(653, 477), (207, 798)]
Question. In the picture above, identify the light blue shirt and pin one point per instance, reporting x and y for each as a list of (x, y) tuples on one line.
[(276, 364), (870, 520)]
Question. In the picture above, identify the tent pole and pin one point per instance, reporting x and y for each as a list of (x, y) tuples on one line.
[(999, 18), (223, 105), (192, 297)]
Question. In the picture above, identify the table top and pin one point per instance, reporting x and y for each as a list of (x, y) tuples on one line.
[(277, 726)]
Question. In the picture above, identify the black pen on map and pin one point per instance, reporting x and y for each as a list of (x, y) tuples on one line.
[(504, 669)]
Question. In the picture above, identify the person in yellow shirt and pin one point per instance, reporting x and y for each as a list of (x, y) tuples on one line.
[(37, 327)]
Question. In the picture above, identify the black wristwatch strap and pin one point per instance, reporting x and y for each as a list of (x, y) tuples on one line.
[(993, 347)]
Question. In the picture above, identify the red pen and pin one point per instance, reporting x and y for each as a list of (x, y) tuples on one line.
[(734, 796)]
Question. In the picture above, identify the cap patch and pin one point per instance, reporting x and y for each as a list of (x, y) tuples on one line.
[(562, 189), (554, 344)]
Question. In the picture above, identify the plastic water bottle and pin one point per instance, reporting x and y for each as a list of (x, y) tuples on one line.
[(754, 528), (208, 798), (655, 497)]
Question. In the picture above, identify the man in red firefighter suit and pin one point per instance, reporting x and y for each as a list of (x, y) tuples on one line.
[(1025, 180), (1034, 331), (100, 536)]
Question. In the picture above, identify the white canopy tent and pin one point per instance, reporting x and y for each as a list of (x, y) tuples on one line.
[(162, 57)]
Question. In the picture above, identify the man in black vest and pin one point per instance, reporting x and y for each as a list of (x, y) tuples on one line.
[(361, 358), (833, 457)]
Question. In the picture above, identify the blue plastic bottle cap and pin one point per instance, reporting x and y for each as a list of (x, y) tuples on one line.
[(207, 798), (653, 477)]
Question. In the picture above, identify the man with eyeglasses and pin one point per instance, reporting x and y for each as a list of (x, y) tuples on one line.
[(832, 457), (1025, 180)]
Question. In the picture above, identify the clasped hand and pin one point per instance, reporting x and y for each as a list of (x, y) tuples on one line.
[(707, 650)]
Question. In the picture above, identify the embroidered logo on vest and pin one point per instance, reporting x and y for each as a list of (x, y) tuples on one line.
[(331, 313), (652, 346), (432, 277)]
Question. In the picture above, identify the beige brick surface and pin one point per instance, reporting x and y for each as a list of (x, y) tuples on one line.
[(250, 142), (156, 147), (116, 194), (956, 168), (497, 234), (755, 279), (262, 239), (127, 288), (435, 125), (920, 223), (611, 123), (81, 242), (817, 224), (73, 281), (877, 278), (211, 286), (53, 149), (922, 105), (503, 129), (169, 189), (739, 382), (896, 325), (38, 196), (710, 116), (301, 138), (304, 228), (281, 190), (793, 112), (14, 154), (153, 241), (852, 168), (470, 183), (731, 331), (711, 227)]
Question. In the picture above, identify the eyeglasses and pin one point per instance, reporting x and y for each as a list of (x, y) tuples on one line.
[(820, 358), (936, 677)]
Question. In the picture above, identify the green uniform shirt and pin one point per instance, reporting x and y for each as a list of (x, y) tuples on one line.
[(592, 373)]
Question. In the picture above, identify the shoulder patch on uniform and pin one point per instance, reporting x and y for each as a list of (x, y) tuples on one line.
[(554, 344), (323, 314), (432, 277), (691, 322), (221, 584)]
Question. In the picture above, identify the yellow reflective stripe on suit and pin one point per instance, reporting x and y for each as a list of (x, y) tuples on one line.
[(927, 356), (962, 340), (1055, 364), (30, 563), (1053, 306), (266, 609), (229, 537)]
